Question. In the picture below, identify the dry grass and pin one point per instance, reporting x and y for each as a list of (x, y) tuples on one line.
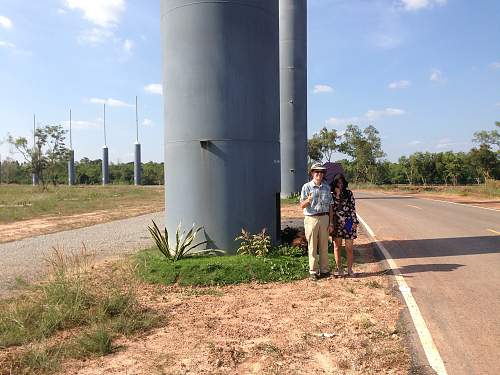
[(64, 207), (73, 314), (23, 202), (486, 191)]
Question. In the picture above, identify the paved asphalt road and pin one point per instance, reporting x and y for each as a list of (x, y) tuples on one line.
[(450, 257), (25, 258)]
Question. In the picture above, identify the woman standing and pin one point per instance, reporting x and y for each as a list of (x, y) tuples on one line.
[(345, 222)]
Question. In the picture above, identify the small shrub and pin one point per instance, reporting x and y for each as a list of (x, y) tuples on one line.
[(290, 251), (288, 234), (254, 244)]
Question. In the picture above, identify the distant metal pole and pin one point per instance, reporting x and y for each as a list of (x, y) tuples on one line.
[(137, 149), (71, 161), (136, 121), (34, 176), (105, 154), (105, 124)]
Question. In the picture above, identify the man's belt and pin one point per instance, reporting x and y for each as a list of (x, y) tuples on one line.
[(321, 214)]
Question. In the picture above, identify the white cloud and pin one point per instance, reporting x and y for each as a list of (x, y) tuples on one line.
[(447, 143), (414, 143), (94, 36), (436, 75), (5, 22), (4, 44), (154, 88), (414, 5), (495, 65), (387, 112), (399, 84), (368, 117), (147, 123), (321, 89), (110, 102), (128, 45), (104, 13), (386, 41), (341, 121)]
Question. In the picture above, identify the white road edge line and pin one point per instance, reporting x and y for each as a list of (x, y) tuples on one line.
[(430, 349), (460, 204)]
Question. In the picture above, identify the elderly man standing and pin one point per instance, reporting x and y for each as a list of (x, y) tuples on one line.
[(315, 200)]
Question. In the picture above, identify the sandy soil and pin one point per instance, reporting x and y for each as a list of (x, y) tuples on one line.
[(51, 224), (476, 201), (333, 326)]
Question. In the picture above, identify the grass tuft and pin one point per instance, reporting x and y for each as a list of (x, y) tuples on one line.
[(96, 342)]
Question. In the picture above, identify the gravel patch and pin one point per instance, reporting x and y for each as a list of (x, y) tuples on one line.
[(25, 258)]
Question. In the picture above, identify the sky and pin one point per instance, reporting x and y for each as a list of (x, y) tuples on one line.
[(425, 73)]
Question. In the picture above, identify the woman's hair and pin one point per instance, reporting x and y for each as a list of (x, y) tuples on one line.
[(336, 178)]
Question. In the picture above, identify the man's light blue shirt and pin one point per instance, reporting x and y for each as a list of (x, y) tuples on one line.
[(321, 198)]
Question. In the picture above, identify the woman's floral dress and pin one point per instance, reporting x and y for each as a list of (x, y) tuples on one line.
[(344, 209)]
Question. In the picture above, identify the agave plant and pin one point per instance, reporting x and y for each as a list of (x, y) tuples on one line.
[(183, 241)]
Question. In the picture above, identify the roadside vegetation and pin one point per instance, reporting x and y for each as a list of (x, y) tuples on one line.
[(85, 311), (488, 190), (72, 315), (21, 202), (364, 160)]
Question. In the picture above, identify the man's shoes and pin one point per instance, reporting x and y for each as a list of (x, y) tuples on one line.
[(313, 276), (325, 274)]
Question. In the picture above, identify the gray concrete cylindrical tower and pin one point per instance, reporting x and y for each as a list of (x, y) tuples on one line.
[(221, 96), (71, 168), (137, 164), (105, 165), (293, 94)]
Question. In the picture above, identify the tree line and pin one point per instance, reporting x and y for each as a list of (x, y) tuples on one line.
[(364, 160), (47, 158)]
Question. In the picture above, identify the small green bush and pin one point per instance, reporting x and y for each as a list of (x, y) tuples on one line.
[(254, 244)]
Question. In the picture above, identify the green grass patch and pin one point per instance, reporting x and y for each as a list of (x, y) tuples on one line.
[(21, 202), (219, 270)]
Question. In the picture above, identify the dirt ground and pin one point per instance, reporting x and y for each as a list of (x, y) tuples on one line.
[(51, 224), (332, 326)]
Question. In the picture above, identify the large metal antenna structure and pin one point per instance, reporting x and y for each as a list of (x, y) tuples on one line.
[(34, 176), (71, 160), (221, 130), (105, 154), (137, 149), (293, 95)]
